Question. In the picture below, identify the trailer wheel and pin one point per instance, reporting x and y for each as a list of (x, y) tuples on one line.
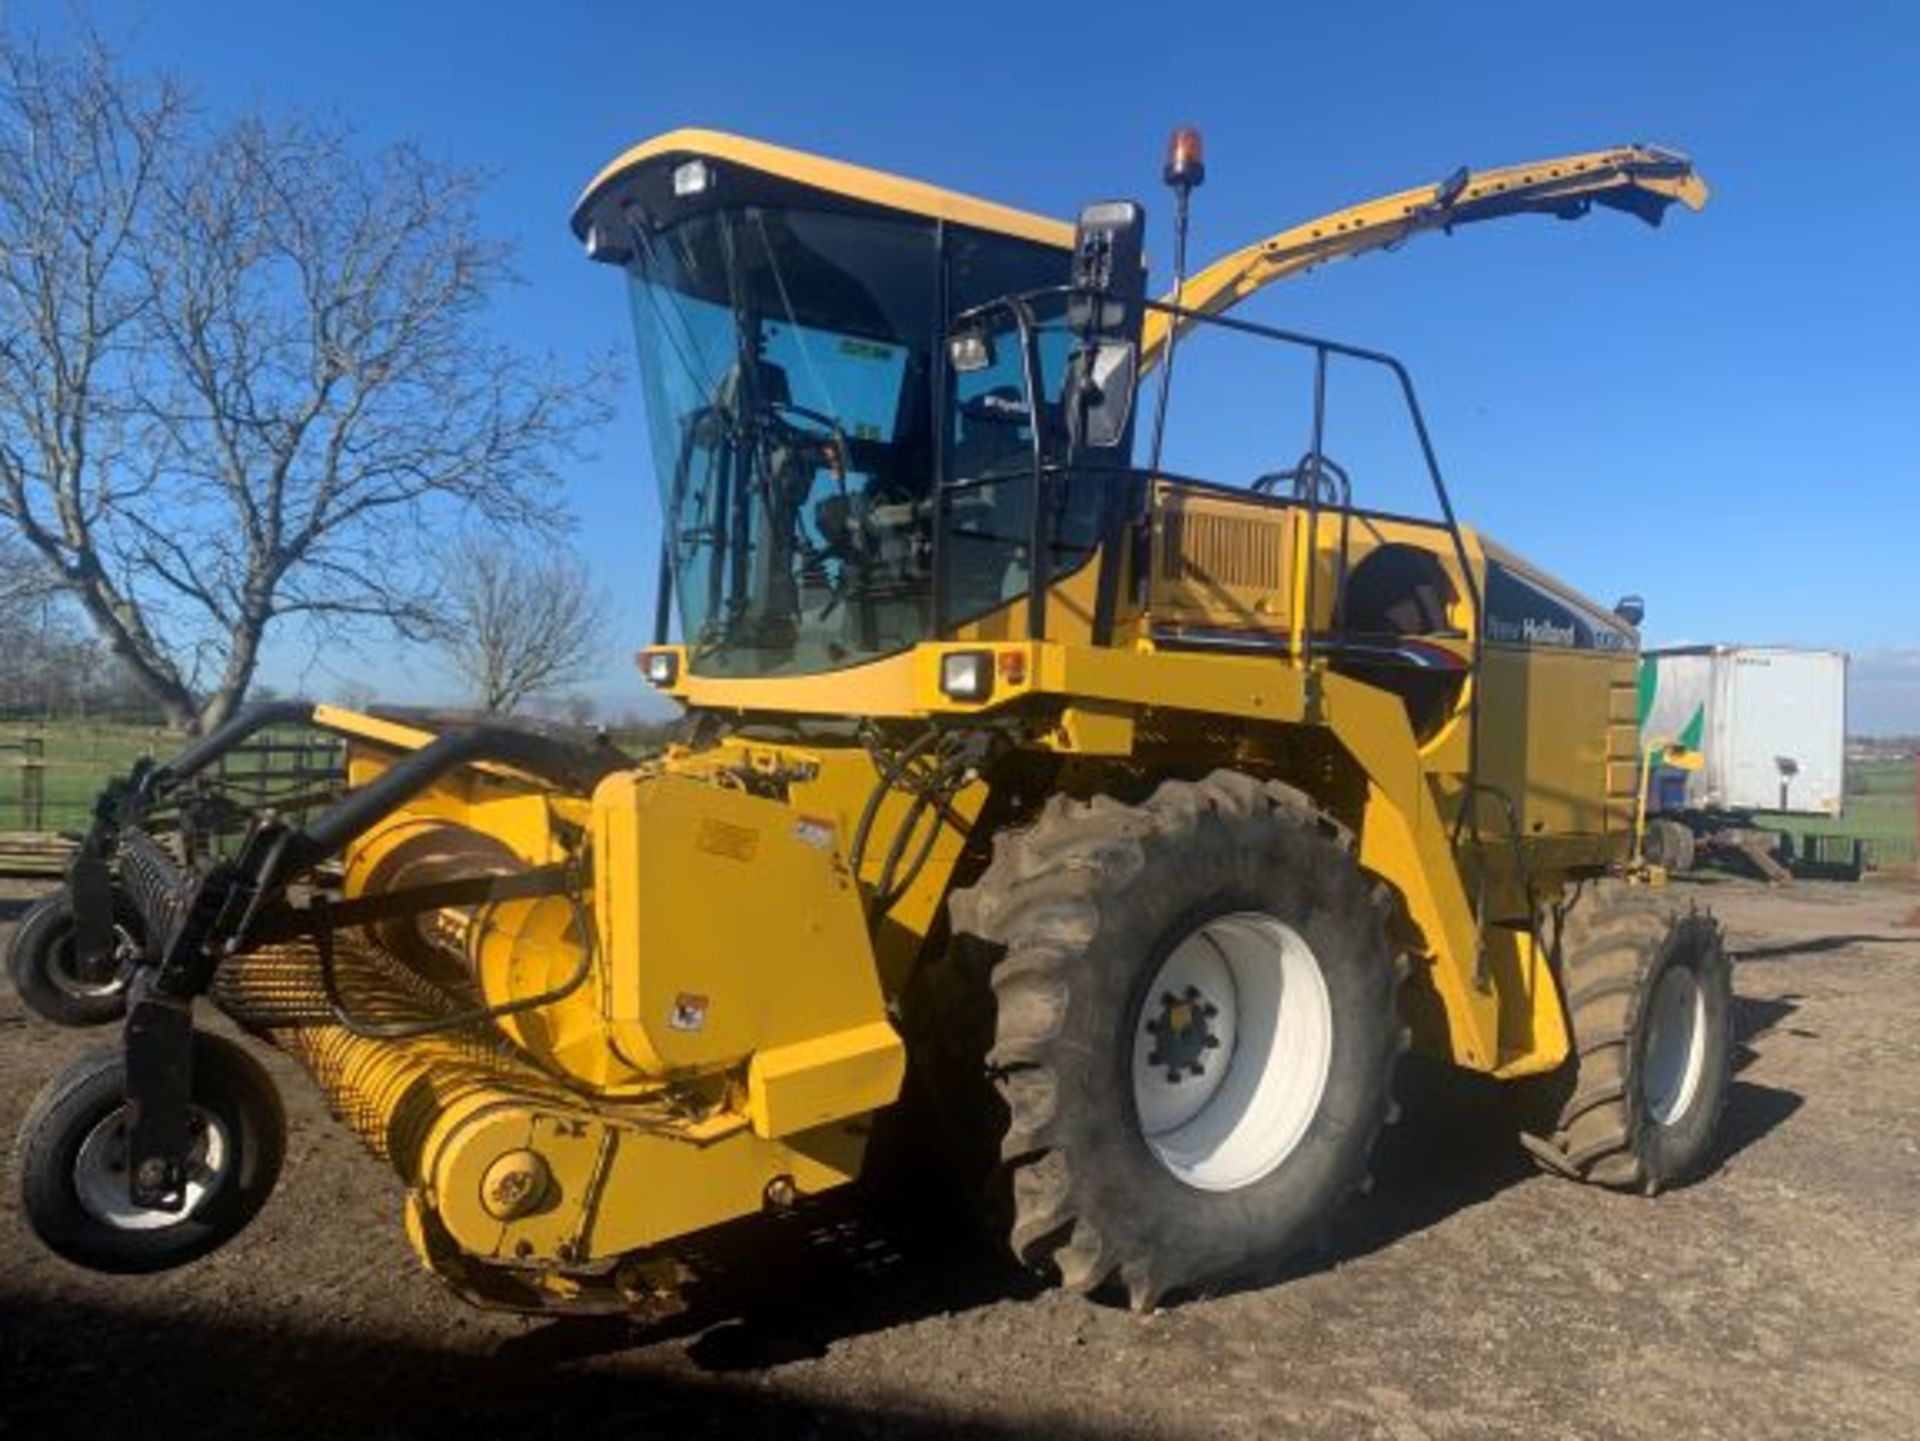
[(41, 960), (71, 1158), (1195, 1031), (1669, 845), (1650, 999)]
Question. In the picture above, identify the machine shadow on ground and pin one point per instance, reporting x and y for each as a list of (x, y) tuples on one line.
[(1817, 945), (1752, 1109), (210, 1379)]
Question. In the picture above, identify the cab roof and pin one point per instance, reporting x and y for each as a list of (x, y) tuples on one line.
[(643, 175)]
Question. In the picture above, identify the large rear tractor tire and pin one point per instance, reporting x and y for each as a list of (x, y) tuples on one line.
[(1195, 1031), (1650, 997)]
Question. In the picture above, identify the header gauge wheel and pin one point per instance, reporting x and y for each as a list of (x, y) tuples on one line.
[(72, 1162), (1195, 1031), (46, 971)]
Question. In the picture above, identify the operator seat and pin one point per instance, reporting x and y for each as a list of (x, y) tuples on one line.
[(1394, 606)]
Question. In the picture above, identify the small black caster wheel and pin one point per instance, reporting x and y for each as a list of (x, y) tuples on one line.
[(45, 968), (72, 1161)]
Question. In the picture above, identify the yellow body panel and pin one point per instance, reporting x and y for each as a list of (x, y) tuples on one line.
[(1539, 740), (731, 927), (1220, 563), (1533, 1026), (808, 1083), (616, 1184)]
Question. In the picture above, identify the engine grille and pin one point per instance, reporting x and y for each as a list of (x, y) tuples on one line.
[(1227, 550), (1220, 563)]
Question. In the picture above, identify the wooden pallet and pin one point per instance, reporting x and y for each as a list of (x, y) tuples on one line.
[(33, 854)]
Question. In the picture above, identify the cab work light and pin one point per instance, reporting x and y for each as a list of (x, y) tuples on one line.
[(970, 351), (660, 667), (692, 178), (967, 675)]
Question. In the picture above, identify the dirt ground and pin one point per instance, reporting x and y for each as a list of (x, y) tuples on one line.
[(1466, 1296)]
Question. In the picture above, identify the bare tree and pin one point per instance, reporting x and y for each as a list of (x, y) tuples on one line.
[(520, 624), (48, 665), (244, 375), (23, 579)]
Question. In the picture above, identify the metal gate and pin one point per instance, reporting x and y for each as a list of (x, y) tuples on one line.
[(49, 775)]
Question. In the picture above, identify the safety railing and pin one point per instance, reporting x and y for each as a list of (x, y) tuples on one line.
[(1319, 485)]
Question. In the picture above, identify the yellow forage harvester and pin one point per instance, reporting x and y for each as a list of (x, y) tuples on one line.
[(1148, 819)]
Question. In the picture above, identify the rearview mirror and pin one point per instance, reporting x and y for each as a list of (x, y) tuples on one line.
[(1631, 608), (1100, 394)]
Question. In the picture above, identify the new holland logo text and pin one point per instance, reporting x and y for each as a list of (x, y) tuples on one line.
[(1532, 631)]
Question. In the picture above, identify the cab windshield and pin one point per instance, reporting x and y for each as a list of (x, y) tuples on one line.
[(785, 356)]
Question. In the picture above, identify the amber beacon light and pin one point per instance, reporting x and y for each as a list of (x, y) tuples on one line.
[(1186, 164)]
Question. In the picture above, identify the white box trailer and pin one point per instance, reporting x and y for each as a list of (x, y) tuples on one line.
[(1770, 722)]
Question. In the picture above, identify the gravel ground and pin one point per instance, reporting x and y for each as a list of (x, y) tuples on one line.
[(1466, 1296)]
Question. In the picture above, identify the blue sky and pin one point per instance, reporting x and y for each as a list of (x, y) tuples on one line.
[(1722, 415)]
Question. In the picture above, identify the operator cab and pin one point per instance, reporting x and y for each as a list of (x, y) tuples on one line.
[(791, 314), (883, 414)]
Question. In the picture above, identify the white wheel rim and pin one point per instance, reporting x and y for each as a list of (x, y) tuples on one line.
[(1242, 1104), (100, 1173), (1676, 1050)]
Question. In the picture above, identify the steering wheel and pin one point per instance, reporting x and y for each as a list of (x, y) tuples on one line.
[(830, 446)]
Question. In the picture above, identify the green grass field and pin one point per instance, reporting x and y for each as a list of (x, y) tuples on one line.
[(76, 758), (1880, 810), (73, 759)]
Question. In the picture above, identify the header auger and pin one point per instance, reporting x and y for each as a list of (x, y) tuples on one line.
[(1145, 820)]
